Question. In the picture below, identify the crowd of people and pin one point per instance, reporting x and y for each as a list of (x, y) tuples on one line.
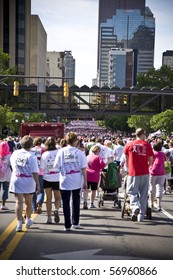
[(64, 171)]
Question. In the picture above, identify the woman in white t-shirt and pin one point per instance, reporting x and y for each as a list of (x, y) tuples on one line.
[(72, 164), (24, 179), (51, 179)]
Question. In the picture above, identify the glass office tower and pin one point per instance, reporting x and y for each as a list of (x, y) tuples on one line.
[(125, 24)]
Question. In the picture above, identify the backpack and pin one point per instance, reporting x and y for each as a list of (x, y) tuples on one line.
[(167, 167)]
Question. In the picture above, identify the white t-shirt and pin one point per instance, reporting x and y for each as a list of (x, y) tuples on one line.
[(118, 151), (104, 152), (70, 160), (38, 151), (23, 164), (50, 173), (6, 176)]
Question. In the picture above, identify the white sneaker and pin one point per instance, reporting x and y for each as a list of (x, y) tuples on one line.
[(4, 207), (92, 206), (29, 223), (77, 226), (48, 220), (19, 226), (67, 229)]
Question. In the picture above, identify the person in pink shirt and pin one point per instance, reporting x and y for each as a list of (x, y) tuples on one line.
[(95, 165), (157, 175)]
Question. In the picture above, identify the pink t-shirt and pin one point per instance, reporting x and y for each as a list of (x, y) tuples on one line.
[(158, 168), (95, 165)]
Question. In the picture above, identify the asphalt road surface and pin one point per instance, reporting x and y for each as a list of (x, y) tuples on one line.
[(105, 235)]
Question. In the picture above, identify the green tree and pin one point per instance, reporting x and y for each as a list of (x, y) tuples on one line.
[(13, 121), (163, 122), (4, 64), (36, 117), (139, 121), (159, 78), (154, 79), (117, 123)]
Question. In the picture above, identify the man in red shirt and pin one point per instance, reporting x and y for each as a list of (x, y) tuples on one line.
[(139, 155)]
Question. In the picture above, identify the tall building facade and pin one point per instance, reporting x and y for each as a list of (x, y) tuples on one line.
[(38, 49), (23, 37), (69, 64), (167, 58), (128, 25), (62, 67), (121, 67), (15, 35)]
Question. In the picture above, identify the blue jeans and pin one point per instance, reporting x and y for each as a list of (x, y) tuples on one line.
[(5, 187), (40, 197), (66, 195)]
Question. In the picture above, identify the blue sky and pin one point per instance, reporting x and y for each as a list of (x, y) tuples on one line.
[(73, 25)]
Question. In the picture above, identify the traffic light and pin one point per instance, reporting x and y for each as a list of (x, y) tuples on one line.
[(99, 98), (66, 89), (125, 99), (16, 88)]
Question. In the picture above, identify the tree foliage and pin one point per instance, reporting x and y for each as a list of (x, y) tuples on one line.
[(163, 122), (139, 121), (159, 78), (4, 64), (117, 123)]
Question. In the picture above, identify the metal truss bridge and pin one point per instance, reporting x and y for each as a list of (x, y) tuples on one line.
[(87, 102)]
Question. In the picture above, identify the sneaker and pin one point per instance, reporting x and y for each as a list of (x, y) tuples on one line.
[(29, 222), (56, 217), (92, 205), (135, 215), (48, 220), (39, 210), (85, 205), (19, 226), (159, 208), (67, 229), (140, 218), (3, 207), (77, 226)]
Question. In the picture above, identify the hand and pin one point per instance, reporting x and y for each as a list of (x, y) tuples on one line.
[(85, 185), (37, 190)]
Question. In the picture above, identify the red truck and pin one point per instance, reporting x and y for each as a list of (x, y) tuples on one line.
[(42, 129)]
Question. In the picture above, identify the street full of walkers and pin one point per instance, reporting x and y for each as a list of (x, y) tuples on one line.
[(64, 172)]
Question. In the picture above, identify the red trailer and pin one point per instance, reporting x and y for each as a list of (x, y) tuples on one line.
[(42, 129)]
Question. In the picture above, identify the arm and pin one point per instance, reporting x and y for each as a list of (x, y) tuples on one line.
[(85, 177), (126, 160), (150, 160), (36, 178)]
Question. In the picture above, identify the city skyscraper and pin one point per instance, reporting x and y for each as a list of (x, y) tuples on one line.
[(61, 65), (15, 35), (24, 38), (126, 24), (167, 58)]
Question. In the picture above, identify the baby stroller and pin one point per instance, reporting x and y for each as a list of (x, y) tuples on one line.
[(126, 205), (110, 182)]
